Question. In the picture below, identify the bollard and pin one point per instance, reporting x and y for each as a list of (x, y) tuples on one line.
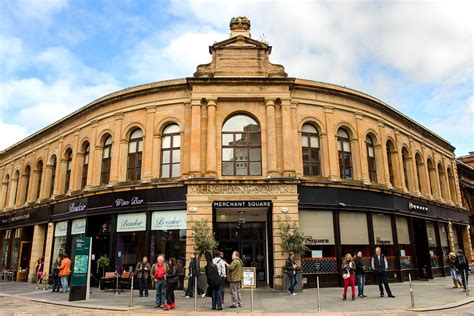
[(251, 298), (467, 284), (131, 292), (317, 294), (195, 292), (116, 284), (412, 295)]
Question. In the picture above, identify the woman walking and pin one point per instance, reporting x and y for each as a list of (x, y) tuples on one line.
[(172, 277), (291, 272), (39, 272), (56, 282), (451, 261), (348, 268)]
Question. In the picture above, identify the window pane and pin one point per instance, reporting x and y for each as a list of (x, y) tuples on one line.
[(240, 140), (173, 128), (255, 154), (176, 155), (314, 142), (166, 156), (165, 171), (305, 154), (315, 155), (227, 154), (140, 146), (166, 142), (309, 128), (132, 147), (347, 146), (255, 168), (175, 170), (240, 123), (306, 169), (304, 141), (241, 154), (177, 141), (349, 235), (106, 152), (241, 169), (227, 139), (382, 229), (339, 145), (402, 230), (318, 226), (316, 170), (254, 139), (371, 151), (227, 168)]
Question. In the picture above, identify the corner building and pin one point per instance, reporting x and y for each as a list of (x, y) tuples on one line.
[(244, 146)]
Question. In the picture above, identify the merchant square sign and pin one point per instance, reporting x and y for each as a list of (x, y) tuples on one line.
[(243, 189)]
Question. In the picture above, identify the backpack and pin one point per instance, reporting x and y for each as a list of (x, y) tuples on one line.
[(461, 260), (212, 274)]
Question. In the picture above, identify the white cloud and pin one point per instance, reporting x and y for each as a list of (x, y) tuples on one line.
[(11, 133)]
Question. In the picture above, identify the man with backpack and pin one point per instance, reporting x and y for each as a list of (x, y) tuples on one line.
[(463, 268), (235, 278), (217, 292), (213, 281)]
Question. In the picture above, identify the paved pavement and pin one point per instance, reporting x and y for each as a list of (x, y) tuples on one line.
[(21, 298)]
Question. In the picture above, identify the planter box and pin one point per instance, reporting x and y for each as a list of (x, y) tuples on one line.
[(286, 282)]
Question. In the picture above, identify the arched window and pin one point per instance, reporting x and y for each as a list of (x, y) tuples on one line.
[(16, 179), (371, 158), (390, 154), (5, 191), (310, 146), (106, 160), (52, 165), (85, 164), (241, 147), (405, 163), (39, 169), (135, 147), (442, 182), (170, 151), (419, 165), (67, 180), (431, 176), (344, 151), (25, 185), (452, 186)]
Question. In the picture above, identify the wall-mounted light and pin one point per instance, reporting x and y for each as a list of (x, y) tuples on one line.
[(192, 209), (342, 204), (50, 224), (284, 209)]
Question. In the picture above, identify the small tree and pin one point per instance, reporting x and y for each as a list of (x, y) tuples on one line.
[(203, 236), (292, 239), (103, 262)]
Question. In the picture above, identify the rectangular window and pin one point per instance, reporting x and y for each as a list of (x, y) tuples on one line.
[(382, 229), (353, 227), (402, 230), (317, 226)]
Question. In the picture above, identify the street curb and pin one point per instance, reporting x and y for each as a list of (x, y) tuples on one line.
[(76, 305), (459, 303)]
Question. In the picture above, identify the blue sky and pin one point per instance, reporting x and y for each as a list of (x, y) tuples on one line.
[(58, 55)]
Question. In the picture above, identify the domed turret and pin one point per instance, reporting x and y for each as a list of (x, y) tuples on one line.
[(239, 25)]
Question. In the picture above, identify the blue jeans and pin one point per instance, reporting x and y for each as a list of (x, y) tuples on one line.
[(455, 276), (160, 287), (360, 284), (64, 284), (293, 283)]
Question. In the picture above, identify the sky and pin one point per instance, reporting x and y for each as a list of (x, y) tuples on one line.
[(57, 55)]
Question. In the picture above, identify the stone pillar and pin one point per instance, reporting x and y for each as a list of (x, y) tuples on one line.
[(398, 174), (195, 148), (59, 179), (4, 194), (361, 160), (437, 182), (23, 189), (450, 236), (457, 189), (426, 173), (331, 145), (148, 149), (76, 165), (93, 173), (115, 155), (415, 180), (385, 175), (37, 250), (271, 138), (288, 130), (12, 192), (211, 139), (296, 141), (31, 195), (466, 239), (48, 250)]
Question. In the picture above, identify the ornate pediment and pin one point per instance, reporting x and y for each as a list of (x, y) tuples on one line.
[(240, 56)]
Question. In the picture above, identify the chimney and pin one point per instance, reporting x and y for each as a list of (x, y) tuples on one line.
[(239, 25)]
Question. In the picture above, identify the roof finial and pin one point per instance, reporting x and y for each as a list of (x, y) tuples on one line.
[(239, 25)]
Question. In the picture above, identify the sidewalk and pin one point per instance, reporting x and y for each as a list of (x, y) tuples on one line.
[(429, 295)]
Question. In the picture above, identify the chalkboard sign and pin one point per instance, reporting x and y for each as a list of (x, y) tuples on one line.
[(250, 277)]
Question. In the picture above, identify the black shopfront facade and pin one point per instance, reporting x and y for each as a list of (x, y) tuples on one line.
[(412, 233), (124, 226)]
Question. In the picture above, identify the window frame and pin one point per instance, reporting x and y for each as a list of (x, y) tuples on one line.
[(343, 155), (371, 161), (106, 162), (134, 161), (311, 164), (85, 165), (170, 149)]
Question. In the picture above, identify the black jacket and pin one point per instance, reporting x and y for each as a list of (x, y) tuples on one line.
[(172, 274), (290, 268), (194, 268), (359, 266)]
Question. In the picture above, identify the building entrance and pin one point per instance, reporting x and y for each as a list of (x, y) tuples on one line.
[(422, 249), (246, 231)]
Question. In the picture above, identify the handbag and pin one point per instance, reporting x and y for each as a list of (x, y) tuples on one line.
[(345, 276)]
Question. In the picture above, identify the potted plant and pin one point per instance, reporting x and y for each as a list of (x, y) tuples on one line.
[(103, 262), (203, 241), (292, 240)]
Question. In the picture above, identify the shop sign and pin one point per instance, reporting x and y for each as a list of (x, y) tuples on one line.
[(60, 229), (417, 208), (78, 226), (131, 222), (241, 204), (80, 281), (379, 241), (168, 220), (134, 201), (316, 241), (249, 277), (242, 189), (76, 206)]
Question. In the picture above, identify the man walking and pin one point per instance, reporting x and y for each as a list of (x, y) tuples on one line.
[(64, 272), (235, 278), (380, 265), (143, 273), (463, 268), (360, 274)]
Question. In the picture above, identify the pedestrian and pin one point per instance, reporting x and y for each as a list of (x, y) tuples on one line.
[(348, 269), (56, 279), (291, 273), (380, 265), (159, 277), (360, 274), (193, 275), (142, 271), (217, 292), (235, 279), (221, 255), (172, 276), (64, 272), (455, 275), (463, 267), (39, 272)]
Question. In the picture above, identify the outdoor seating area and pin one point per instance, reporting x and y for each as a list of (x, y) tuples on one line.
[(7, 276), (116, 282)]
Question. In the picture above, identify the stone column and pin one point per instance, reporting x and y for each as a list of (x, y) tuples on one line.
[(156, 167), (331, 146), (12, 192), (37, 249), (76, 165), (398, 174), (296, 140), (34, 179), (451, 236), (148, 149), (195, 149), (361, 160), (48, 251), (288, 131), (466, 239), (4, 194), (23, 190), (271, 138), (437, 181), (93, 173), (457, 189), (116, 161), (211, 139), (425, 172), (59, 179), (416, 183), (44, 180), (385, 175)]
